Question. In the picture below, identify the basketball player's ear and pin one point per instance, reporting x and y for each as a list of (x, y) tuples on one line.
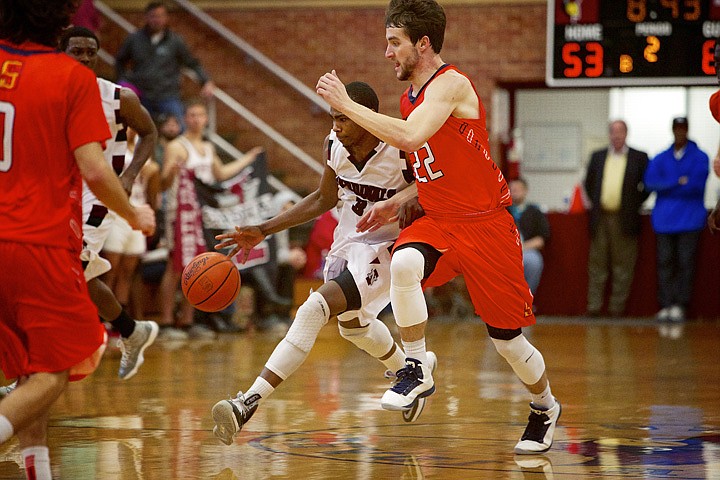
[(424, 43)]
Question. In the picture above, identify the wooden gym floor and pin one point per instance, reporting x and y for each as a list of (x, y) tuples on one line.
[(638, 402)]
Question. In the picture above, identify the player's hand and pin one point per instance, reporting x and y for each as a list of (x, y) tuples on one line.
[(144, 220), (716, 165), (244, 240), (381, 213), (714, 220), (409, 212), (332, 90)]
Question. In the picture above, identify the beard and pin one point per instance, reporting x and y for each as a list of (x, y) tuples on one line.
[(407, 70)]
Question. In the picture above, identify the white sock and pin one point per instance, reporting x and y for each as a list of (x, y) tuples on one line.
[(6, 429), (262, 387), (416, 350), (544, 400), (396, 361), (37, 463)]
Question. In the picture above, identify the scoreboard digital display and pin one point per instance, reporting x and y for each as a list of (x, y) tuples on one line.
[(631, 43)]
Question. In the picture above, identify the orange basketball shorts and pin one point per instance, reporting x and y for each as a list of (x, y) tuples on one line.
[(486, 250), (47, 321)]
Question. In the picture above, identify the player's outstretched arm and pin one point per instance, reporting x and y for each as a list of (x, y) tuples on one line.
[(447, 93), (139, 119), (103, 182), (309, 208)]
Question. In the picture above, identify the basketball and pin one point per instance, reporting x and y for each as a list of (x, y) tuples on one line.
[(210, 282)]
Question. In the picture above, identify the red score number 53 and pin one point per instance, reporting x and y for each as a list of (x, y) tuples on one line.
[(575, 59)]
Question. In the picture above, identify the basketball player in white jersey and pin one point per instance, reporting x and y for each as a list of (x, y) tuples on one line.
[(122, 110), (124, 246), (360, 171)]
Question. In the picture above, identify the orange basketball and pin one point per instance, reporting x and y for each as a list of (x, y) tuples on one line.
[(210, 282)]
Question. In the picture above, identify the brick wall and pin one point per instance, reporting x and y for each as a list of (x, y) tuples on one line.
[(504, 43)]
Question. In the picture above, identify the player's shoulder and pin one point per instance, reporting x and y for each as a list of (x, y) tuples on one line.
[(449, 84)]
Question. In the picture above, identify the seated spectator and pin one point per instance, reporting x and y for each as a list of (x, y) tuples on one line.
[(534, 231)]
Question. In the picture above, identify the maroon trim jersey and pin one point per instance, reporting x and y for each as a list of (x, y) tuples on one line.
[(454, 172), (39, 178)]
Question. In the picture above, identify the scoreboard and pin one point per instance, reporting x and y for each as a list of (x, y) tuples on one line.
[(631, 43)]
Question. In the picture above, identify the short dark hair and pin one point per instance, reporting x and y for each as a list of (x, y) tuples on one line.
[(39, 21), (74, 32), (153, 5), (363, 94), (418, 18)]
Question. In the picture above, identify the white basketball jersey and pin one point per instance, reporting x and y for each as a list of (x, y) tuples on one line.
[(380, 178), (200, 163), (116, 147)]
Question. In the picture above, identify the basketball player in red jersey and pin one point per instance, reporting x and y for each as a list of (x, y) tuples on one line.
[(53, 129), (466, 230), (714, 218)]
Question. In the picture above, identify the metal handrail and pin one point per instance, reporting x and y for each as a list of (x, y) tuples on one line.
[(226, 99), (258, 56)]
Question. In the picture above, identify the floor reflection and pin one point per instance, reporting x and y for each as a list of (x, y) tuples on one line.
[(637, 403)]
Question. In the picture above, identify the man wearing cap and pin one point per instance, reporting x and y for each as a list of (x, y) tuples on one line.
[(678, 175)]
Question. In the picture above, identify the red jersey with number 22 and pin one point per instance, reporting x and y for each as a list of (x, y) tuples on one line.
[(455, 175)]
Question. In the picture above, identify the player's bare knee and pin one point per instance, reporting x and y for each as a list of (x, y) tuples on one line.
[(407, 267)]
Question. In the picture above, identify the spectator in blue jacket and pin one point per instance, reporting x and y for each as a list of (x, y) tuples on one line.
[(678, 175)]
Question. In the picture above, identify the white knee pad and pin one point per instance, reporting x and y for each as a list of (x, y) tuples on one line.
[(310, 318), (285, 359), (407, 269), (375, 338), (526, 361)]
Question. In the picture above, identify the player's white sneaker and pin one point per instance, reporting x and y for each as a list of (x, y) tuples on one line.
[(133, 347), (231, 415), (413, 413), (413, 381), (538, 436)]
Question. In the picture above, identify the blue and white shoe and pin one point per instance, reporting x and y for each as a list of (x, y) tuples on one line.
[(413, 413), (413, 381)]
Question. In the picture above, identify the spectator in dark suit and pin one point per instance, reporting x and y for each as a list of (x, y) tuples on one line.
[(534, 231), (614, 183)]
